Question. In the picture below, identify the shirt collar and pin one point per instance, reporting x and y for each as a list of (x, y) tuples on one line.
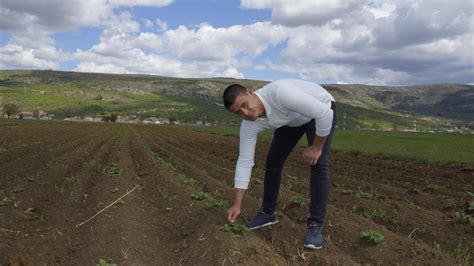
[(268, 109)]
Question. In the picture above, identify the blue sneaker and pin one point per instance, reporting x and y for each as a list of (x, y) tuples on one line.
[(262, 219), (314, 239)]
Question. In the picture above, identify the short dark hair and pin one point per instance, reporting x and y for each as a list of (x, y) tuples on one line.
[(231, 92)]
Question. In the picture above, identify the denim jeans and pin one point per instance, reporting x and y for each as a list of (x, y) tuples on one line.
[(284, 140)]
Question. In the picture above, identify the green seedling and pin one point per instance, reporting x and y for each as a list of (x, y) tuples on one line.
[(31, 178), (362, 194), (72, 179), (471, 206), (60, 159), (460, 217), (115, 190), (299, 200), (7, 200), (18, 190), (218, 204), (436, 246), (59, 188), (120, 202), (115, 170), (200, 195), (372, 236), (462, 252), (347, 191), (435, 188), (377, 213), (469, 194), (448, 204), (291, 180), (103, 262), (234, 228)]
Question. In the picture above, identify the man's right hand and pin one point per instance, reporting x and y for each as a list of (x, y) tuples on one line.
[(232, 213)]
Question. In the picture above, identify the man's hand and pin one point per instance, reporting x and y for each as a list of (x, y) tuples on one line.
[(232, 213), (311, 155)]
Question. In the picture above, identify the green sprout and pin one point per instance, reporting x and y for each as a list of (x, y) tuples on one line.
[(234, 228), (372, 236)]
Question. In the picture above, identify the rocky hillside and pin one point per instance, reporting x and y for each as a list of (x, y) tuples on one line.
[(73, 93)]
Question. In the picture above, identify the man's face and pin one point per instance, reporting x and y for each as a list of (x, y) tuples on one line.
[(245, 106)]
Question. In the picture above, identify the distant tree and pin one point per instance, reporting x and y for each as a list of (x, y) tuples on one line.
[(113, 117), (11, 109), (36, 114)]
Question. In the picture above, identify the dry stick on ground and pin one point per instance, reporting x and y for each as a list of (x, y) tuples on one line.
[(107, 207)]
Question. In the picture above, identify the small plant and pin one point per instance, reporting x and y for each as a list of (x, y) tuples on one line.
[(115, 190), (372, 236), (471, 206), (291, 180), (200, 195), (72, 179), (234, 228), (435, 188), (377, 213), (216, 205), (115, 170), (103, 262), (436, 246), (59, 188), (448, 204), (6, 200), (18, 189), (31, 178), (347, 191), (463, 253), (362, 194), (469, 194), (460, 217), (120, 202), (60, 159), (298, 199)]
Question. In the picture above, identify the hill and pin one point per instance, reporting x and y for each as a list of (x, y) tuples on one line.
[(69, 94)]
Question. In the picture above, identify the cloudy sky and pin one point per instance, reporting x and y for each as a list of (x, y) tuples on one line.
[(392, 42)]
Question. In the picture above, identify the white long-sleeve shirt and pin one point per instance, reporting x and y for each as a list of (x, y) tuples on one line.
[(287, 102)]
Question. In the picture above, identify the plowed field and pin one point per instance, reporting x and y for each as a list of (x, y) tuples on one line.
[(55, 176)]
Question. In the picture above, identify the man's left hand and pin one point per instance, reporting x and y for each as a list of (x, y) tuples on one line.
[(311, 155)]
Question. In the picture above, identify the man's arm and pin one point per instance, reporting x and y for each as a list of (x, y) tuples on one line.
[(243, 171)]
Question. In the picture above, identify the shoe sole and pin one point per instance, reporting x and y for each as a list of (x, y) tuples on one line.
[(263, 225), (311, 246)]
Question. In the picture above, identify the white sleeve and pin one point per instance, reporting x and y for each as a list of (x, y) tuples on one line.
[(307, 105), (248, 139)]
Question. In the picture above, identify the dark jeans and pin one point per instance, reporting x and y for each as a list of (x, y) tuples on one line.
[(284, 140)]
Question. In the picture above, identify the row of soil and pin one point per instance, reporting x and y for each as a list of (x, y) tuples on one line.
[(407, 197), (187, 155)]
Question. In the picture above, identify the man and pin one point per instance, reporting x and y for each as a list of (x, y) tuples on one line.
[(292, 107)]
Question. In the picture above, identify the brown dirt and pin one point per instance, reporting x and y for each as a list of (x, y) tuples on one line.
[(54, 176)]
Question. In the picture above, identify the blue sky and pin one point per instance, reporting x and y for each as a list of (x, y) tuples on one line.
[(346, 41)]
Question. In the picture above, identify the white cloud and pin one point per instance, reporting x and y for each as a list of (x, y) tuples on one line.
[(148, 24), (161, 25), (16, 57)]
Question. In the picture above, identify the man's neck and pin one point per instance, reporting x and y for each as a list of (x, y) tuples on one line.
[(262, 110)]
